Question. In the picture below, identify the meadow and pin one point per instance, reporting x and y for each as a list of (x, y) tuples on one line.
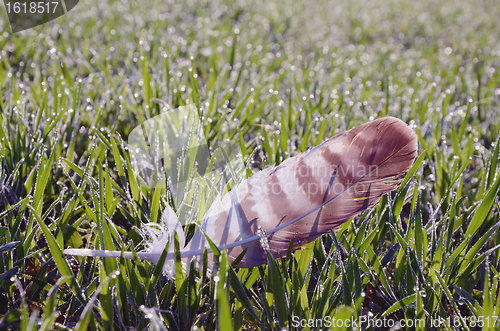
[(274, 79)]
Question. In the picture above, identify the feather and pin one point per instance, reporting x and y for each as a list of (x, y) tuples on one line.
[(302, 198)]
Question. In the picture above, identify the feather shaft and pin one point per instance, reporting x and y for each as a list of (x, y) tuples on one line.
[(105, 253)]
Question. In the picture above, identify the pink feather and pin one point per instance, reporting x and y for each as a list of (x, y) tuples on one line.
[(301, 199)]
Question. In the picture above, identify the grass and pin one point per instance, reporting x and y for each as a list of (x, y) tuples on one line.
[(274, 79)]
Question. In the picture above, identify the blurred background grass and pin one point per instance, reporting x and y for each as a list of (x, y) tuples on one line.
[(275, 78)]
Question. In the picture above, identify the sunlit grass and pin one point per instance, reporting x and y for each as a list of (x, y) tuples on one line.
[(275, 79)]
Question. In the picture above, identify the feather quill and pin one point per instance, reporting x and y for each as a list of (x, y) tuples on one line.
[(301, 199)]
